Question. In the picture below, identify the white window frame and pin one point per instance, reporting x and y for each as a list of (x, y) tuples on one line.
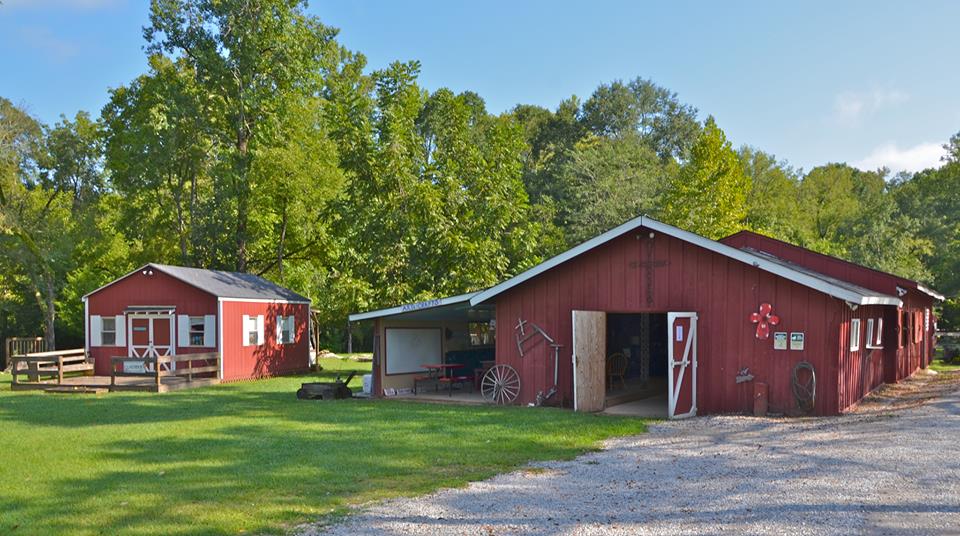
[(854, 334), (253, 324), (283, 323), (191, 320), (875, 338), (104, 330)]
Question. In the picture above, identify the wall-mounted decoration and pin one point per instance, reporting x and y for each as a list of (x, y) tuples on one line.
[(796, 340), (764, 319), (744, 375), (780, 340)]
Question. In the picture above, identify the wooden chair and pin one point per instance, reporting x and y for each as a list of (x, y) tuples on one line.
[(616, 369)]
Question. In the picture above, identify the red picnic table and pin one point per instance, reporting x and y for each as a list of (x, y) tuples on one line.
[(442, 373)]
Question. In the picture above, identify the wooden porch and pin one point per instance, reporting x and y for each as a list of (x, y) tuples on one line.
[(56, 372)]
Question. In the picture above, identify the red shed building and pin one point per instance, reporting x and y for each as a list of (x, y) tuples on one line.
[(650, 311), (259, 328)]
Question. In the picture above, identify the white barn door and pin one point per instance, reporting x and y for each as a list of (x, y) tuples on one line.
[(682, 358)]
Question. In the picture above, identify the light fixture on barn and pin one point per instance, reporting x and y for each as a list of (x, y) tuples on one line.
[(147, 272)]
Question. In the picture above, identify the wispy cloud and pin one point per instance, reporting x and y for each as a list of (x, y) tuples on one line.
[(916, 158), (54, 47), (850, 107)]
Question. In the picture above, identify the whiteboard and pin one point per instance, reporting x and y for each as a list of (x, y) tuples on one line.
[(409, 348)]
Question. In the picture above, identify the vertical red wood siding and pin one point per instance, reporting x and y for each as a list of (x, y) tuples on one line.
[(270, 358), (900, 362), (722, 291), (139, 289), (239, 362)]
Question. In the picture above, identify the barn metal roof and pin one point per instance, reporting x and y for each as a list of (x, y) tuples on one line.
[(429, 306), (233, 285), (808, 278)]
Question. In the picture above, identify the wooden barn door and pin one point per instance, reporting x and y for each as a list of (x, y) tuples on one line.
[(589, 360), (682, 358)]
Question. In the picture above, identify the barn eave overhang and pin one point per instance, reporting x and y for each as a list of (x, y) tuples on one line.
[(413, 307), (797, 276)]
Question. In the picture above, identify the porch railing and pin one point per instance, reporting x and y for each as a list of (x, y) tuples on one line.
[(208, 363), (48, 367), (21, 346)]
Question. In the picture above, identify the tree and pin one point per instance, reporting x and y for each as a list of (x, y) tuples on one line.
[(605, 182), (772, 206), (256, 62), (709, 194)]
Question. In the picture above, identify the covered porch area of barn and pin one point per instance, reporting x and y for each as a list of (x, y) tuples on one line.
[(435, 350)]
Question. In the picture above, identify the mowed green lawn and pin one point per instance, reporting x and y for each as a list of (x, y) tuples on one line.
[(249, 457)]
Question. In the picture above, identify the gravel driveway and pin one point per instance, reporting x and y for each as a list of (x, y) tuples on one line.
[(893, 472)]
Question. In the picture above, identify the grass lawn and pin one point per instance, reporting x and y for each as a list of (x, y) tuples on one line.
[(940, 366), (249, 457)]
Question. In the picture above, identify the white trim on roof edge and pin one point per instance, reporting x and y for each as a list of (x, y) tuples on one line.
[(410, 307), (261, 300), (930, 292), (710, 245)]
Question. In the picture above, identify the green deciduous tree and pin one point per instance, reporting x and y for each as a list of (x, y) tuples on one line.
[(709, 194)]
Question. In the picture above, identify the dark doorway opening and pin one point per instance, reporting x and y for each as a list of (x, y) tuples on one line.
[(641, 372)]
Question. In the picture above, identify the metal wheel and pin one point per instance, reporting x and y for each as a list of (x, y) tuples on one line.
[(501, 384)]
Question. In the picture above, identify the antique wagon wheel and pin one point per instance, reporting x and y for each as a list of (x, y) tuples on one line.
[(501, 384)]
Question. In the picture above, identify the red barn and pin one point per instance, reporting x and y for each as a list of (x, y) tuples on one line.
[(259, 328), (648, 310)]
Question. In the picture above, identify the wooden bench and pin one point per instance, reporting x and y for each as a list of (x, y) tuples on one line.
[(45, 368), (427, 378), (450, 380)]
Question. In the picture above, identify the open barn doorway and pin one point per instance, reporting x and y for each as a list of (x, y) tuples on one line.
[(637, 363), (640, 364)]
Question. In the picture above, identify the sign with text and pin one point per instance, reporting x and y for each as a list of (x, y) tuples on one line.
[(796, 340), (780, 340)]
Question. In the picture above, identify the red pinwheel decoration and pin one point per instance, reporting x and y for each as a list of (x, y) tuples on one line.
[(764, 319)]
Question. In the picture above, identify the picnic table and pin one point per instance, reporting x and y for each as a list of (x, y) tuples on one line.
[(438, 373)]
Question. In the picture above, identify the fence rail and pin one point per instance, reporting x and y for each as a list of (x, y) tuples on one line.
[(14, 346), (152, 367), (43, 367)]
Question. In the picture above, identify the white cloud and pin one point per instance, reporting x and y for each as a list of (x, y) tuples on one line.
[(849, 107), (916, 158), (42, 39)]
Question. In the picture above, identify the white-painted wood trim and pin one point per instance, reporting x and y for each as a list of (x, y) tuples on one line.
[(745, 257), (96, 331), (411, 307), (220, 335)]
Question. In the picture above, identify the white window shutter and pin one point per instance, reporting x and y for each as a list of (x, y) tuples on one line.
[(280, 330), (210, 331), (293, 328), (259, 330), (121, 327), (96, 327), (183, 331), (246, 326)]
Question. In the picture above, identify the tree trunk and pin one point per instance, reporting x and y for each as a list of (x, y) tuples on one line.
[(243, 200), (46, 294), (280, 243)]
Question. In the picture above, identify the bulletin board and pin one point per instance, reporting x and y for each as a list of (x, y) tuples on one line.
[(409, 348)]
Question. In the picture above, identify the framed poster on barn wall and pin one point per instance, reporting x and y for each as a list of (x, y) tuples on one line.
[(780, 340), (796, 340)]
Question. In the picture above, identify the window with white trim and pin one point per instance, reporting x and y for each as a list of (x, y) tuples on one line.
[(874, 333), (854, 334), (197, 330), (287, 330), (250, 327), (108, 331)]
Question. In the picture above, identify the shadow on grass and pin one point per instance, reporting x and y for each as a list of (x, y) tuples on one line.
[(250, 457)]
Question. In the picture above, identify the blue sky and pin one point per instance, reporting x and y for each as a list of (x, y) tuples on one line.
[(868, 83)]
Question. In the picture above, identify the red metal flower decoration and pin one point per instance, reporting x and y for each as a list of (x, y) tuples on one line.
[(764, 319)]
